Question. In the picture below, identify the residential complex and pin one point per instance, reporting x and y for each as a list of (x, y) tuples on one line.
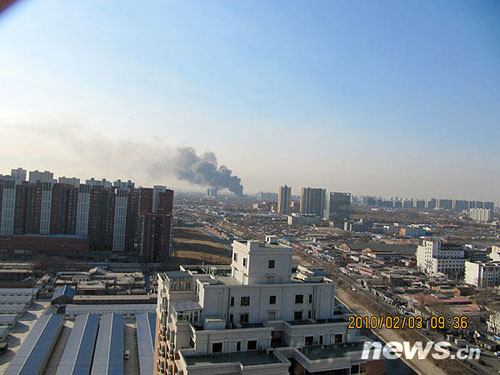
[(433, 203), (254, 316), (111, 217), (481, 215)]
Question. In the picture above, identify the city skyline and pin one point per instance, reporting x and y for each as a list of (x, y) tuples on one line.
[(116, 182), (384, 99)]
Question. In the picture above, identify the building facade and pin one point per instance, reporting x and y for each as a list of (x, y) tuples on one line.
[(482, 274), (253, 317), (481, 215), (433, 258), (285, 200), (339, 205), (111, 216), (312, 201)]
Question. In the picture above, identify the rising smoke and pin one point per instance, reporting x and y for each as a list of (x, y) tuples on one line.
[(204, 170), (151, 161)]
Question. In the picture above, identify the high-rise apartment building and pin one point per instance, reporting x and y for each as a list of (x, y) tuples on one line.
[(285, 200), (63, 215), (82, 211), (312, 201), (19, 175), (101, 218), (481, 215), (155, 226), (8, 206), (157, 190), (115, 217), (132, 221), (254, 315), (73, 181), (120, 220), (46, 176), (339, 205)]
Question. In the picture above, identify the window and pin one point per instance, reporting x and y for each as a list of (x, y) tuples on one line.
[(252, 345), (310, 298), (271, 315), (238, 346), (299, 298), (297, 315), (235, 257), (309, 340), (271, 263), (232, 301), (244, 262), (270, 279), (321, 340), (338, 338), (355, 369), (272, 300), (309, 314), (231, 318), (244, 318), (217, 347), (245, 301)]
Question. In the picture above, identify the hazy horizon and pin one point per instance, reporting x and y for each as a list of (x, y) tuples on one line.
[(392, 98)]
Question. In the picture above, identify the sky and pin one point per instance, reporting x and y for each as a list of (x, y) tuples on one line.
[(387, 98)]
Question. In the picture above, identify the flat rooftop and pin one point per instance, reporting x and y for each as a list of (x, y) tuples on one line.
[(250, 358), (330, 351)]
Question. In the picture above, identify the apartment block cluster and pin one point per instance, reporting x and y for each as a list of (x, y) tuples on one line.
[(315, 204), (431, 204), (255, 316), (65, 217)]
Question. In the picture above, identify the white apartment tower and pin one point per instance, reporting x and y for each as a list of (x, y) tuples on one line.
[(481, 215), (82, 211), (434, 258), (157, 189), (253, 317)]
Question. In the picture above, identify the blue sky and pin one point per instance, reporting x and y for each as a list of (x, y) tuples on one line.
[(387, 97)]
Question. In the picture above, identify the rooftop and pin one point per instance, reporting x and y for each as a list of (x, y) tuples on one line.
[(330, 351), (249, 358)]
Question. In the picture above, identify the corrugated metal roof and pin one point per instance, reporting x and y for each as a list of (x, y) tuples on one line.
[(18, 291), (79, 350), (108, 356), (65, 291), (35, 351), (146, 327), (118, 308)]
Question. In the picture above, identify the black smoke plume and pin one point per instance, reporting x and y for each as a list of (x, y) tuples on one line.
[(204, 170)]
